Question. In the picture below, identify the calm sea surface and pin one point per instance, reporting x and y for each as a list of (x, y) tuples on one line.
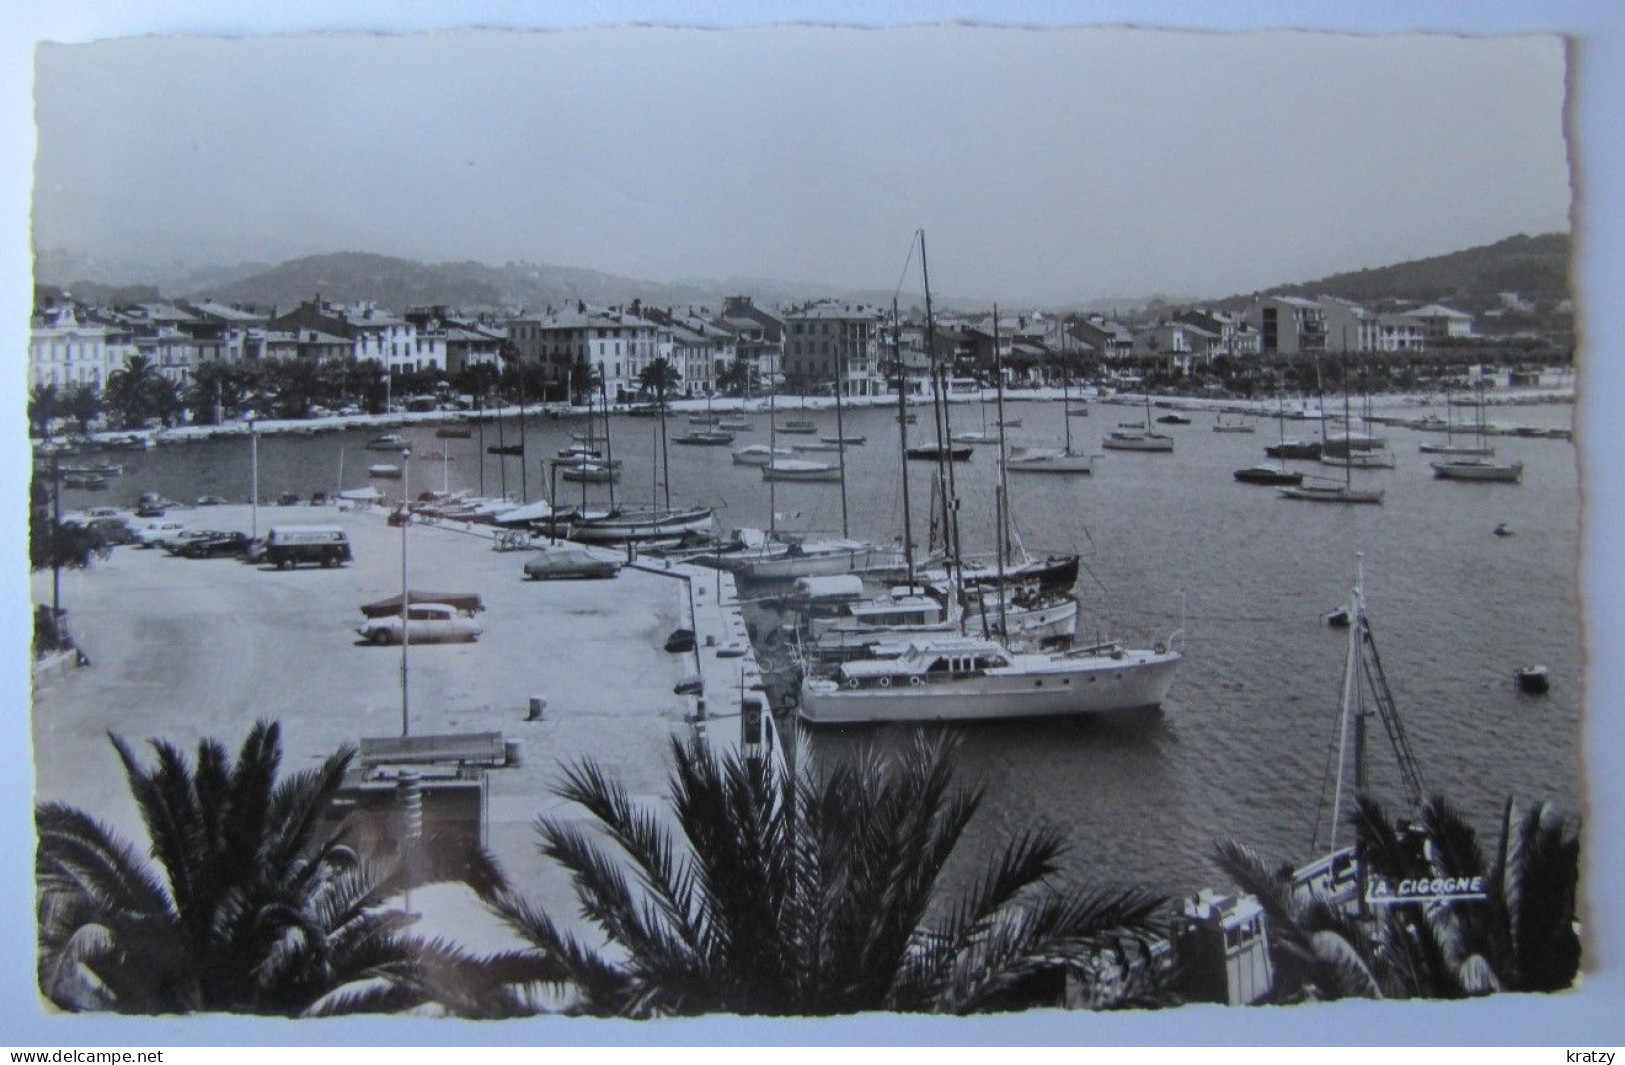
[(1241, 748)]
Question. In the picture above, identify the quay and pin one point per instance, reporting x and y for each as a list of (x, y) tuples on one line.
[(184, 649)]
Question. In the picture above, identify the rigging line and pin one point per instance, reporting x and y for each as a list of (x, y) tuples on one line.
[(907, 262)]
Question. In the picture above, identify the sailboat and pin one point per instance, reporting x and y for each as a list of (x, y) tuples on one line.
[(708, 435), (1264, 473), (1139, 438), (1049, 460), (1450, 447), (1328, 492), (621, 524), (780, 556), (1337, 876), (1479, 469)]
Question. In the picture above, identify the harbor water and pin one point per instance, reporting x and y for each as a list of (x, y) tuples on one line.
[(1241, 748)]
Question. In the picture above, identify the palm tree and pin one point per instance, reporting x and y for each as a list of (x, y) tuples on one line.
[(129, 391), (791, 894), (260, 906), (83, 404), (1522, 936), (661, 378), (44, 404)]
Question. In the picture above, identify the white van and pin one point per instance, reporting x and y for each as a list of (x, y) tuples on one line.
[(289, 545)]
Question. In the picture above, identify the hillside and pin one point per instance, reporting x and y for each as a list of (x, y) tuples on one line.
[(1537, 268)]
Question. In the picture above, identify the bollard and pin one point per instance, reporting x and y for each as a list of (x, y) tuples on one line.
[(538, 708), (513, 752)]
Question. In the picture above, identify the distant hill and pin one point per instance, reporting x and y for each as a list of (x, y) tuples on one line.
[(1536, 268), (397, 284)]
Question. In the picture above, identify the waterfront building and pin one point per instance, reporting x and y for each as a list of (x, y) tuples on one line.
[(1181, 343), (581, 343), (65, 351), (828, 334), (1288, 325), (1109, 340), (1439, 322), (758, 338)]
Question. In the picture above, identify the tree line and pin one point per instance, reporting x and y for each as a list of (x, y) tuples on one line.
[(761, 889)]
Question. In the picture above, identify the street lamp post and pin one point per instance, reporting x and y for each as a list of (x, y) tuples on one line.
[(254, 478), (406, 638)]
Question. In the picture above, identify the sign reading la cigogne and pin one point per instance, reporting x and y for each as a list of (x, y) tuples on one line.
[(1380, 891)]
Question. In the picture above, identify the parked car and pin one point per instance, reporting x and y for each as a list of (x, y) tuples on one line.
[(175, 541), (152, 532), (425, 623), (215, 545), (110, 532), (209, 501)]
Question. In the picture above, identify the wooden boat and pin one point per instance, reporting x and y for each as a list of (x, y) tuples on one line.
[(935, 453), (1137, 441), (797, 427), (1331, 493), (1481, 470), (387, 442), (759, 454), (1048, 460), (1294, 449), (705, 438), (798, 470), (622, 525), (384, 470)]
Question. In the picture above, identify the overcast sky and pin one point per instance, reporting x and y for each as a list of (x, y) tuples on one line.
[(1045, 165)]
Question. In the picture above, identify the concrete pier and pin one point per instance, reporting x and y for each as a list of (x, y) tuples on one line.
[(191, 648)]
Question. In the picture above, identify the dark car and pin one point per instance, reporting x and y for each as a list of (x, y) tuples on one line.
[(150, 510), (111, 532), (215, 545)]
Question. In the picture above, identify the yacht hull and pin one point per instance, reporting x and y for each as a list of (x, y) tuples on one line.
[(1095, 684)]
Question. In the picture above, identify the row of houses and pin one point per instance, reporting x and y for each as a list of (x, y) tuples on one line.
[(819, 345)]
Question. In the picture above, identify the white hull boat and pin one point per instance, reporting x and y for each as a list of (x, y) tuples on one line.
[(1330, 494), (623, 526), (1479, 470), (796, 471), (1048, 460), (958, 679), (1131, 441), (759, 454), (820, 558)]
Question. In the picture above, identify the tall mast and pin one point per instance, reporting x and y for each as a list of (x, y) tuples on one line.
[(902, 437), (950, 500), (1066, 384), (524, 489), (502, 448), (1003, 494), (840, 434), (1352, 713), (1348, 442), (945, 465), (609, 452), (772, 455)]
